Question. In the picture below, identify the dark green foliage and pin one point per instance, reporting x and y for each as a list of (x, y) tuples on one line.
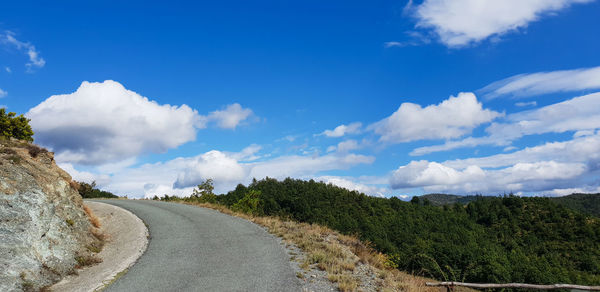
[(445, 199), (249, 204), (88, 191), (492, 239), (13, 126), (585, 203)]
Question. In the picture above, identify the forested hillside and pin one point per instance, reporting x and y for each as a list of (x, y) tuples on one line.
[(491, 239), (585, 203), (445, 199)]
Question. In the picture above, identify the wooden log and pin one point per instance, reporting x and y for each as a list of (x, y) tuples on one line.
[(514, 285)]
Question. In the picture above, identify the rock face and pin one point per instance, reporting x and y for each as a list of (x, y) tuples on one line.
[(43, 228)]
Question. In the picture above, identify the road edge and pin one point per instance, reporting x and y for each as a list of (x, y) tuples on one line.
[(121, 251)]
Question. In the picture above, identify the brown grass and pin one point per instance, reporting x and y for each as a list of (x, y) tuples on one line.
[(87, 260), (337, 254), (35, 150), (93, 219), (74, 185)]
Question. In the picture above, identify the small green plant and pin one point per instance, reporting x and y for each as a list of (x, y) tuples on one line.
[(70, 222), (15, 159)]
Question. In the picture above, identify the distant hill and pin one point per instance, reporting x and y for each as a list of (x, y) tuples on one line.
[(585, 203), (446, 199)]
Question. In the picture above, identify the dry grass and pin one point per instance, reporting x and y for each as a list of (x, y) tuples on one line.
[(93, 219), (337, 254), (87, 260)]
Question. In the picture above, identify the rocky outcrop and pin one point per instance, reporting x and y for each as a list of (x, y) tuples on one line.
[(44, 232)]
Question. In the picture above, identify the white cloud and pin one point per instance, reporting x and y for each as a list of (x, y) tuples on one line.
[(247, 154), (545, 169), (577, 114), (524, 104), (394, 44), (521, 177), (230, 117), (351, 184), (344, 146), (584, 149), (179, 176), (85, 176), (7, 69), (301, 166), (463, 22), (3, 93), (341, 130), (524, 85), (213, 164), (34, 56), (452, 118), (104, 122)]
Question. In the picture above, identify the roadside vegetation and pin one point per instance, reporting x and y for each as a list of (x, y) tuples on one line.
[(490, 240), (350, 263), (89, 191)]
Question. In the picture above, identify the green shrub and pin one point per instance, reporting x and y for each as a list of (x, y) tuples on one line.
[(249, 203), (13, 126)]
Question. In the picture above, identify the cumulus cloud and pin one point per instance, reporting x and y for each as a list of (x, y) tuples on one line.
[(230, 117), (463, 22), (35, 60), (522, 177), (547, 168), (85, 176), (452, 118), (3, 93), (576, 114), (524, 85), (213, 164), (341, 130), (104, 122), (179, 176)]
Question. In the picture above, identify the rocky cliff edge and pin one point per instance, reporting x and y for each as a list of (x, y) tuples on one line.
[(44, 231)]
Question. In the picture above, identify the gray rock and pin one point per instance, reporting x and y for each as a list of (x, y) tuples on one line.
[(43, 227)]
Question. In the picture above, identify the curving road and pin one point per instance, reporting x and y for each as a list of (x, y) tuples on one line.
[(198, 249)]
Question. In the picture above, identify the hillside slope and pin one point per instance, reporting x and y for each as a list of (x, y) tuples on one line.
[(492, 239), (44, 231)]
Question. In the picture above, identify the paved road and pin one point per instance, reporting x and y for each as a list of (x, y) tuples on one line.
[(197, 249)]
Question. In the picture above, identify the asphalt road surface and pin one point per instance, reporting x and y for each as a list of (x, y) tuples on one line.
[(198, 249)]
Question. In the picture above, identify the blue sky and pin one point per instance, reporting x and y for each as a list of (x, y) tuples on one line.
[(391, 98)]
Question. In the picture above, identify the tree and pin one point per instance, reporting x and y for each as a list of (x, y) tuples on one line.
[(249, 203), (204, 192), (13, 126)]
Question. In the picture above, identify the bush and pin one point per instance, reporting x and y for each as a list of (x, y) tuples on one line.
[(88, 191), (13, 126)]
